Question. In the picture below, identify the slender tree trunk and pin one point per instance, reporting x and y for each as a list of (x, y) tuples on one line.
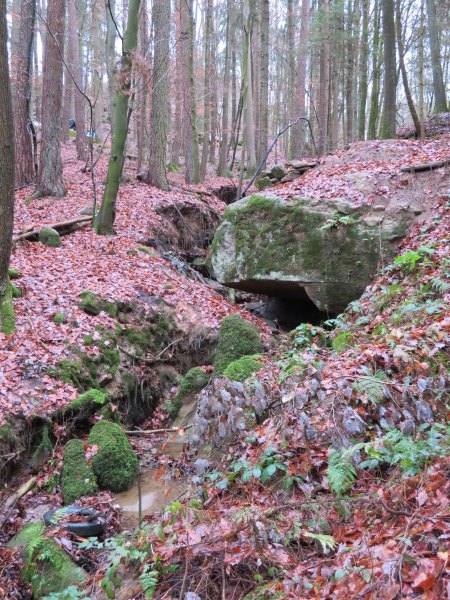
[(388, 126), (104, 221), (297, 134), (6, 180), (144, 85), (264, 83), (207, 90), (401, 57), (324, 81), (190, 108), (421, 84), (156, 174), (23, 19), (50, 175), (213, 97), (248, 94), (110, 56), (292, 69), (76, 72), (223, 151), (440, 103), (178, 124), (376, 64), (363, 70)]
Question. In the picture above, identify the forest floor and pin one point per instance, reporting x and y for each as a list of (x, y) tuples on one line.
[(270, 517)]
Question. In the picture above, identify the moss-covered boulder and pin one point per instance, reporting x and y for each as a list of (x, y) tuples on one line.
[(88, 402), (194, 381), (115, 465), (325, 252), (242, 368), (93, 305), (47, 566), (237, 338), (49, 237), (77, 478)]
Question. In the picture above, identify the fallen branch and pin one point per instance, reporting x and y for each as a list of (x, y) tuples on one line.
[(11, 502), (59, 227), (152, 431), (435, 164)]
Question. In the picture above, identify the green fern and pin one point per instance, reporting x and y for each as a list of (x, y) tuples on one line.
[(327, 542), (439, 285), (149, 582), (341, 472), (371, 388)]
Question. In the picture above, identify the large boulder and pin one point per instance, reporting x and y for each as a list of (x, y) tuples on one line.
[(323, 251)]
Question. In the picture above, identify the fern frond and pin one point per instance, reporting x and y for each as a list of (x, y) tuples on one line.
[(439, 285), (341, 472), (371, 388), (327, 542)]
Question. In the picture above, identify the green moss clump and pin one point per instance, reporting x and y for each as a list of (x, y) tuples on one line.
[(237, 338), (16, 291), (49, 237), (93, 305), (241, 369), (59, 318), (45, 446), (343, 341), (47, 566), (6, 435), (77, 477), (115, 464), (14, 274), (194, 381), (7, 317), (87, 400)]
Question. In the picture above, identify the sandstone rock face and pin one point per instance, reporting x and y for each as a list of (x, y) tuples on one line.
[(321, 251)]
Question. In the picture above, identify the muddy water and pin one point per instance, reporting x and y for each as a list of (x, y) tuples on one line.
[(155, 494)]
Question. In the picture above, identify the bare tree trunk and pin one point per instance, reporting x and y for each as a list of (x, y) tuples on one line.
[(75, 69), (110, 56), (213, 95), (388, 126), (178, 125), (104, 221), (324, 81), (264, 83), (420, 77), (190, 140), (223, 152), (376, 64), (297, 135), (144, 85), (156, 174), (207, 90), (363, 70), (440, 103), (23, 18), (7, 323), (50, 175), (248, 93), (401, 57)]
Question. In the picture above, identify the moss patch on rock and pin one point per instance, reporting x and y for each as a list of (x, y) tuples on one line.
[(193, 381), (49, 237), (343, 341), (47, 566), (14, 274), (89, 401), (77, 477), (94, 305), (237, 338), (115, 464), (243, 368)]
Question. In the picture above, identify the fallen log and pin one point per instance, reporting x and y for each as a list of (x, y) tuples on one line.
[(435, 164), (63, 228)]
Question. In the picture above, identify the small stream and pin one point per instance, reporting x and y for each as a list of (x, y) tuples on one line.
[(155, 494)]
